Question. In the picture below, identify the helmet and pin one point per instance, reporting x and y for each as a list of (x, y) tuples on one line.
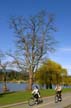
[(36, 87)]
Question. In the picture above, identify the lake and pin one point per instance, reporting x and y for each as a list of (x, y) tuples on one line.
[(14, 86), (20, 86)]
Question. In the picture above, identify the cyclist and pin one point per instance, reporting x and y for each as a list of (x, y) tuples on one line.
[(58, 89), (36, 93)]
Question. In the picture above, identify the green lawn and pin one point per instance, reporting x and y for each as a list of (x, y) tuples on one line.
[(21, 96)]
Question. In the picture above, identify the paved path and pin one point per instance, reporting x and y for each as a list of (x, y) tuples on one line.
[(47, 103)]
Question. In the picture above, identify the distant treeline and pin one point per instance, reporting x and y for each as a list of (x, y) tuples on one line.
[(12, 74)]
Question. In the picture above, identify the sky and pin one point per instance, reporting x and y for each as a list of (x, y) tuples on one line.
[(62, 11)]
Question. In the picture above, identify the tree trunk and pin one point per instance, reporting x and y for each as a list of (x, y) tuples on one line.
[(30, 80), (5, 89), (46, 86), (57, 78), (50, 86), (50, 83)]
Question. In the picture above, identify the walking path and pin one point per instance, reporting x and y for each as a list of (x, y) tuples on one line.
[(69, 106), (48, 102)]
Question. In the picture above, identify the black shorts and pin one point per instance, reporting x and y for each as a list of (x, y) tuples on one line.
[(36, 95)]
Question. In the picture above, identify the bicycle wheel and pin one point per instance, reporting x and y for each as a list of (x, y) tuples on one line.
[(40, 100), (31, 101), (56, 99)]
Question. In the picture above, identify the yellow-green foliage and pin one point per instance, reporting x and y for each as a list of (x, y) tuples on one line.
[(50, 70)]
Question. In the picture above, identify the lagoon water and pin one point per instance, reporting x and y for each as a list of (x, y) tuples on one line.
[(14, 86), (20, 86)]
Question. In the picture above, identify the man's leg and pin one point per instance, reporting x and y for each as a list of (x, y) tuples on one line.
[(36, 97), (59, 95)]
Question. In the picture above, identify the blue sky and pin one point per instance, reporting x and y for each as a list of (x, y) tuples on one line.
[(62, 11)]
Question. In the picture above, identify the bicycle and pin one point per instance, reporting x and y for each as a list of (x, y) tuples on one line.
[(32, 101), (58, 97)]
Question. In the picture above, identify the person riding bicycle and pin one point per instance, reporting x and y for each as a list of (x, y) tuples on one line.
[(58, 89), (36, 93)]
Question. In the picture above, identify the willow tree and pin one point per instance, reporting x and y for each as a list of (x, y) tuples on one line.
[(33, 39), (50, 73)]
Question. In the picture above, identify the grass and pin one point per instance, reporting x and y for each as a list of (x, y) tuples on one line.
[(9, 98), (22, 96)]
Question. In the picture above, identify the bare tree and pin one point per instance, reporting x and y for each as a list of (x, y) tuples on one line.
[(3, 66), (33, 39)]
